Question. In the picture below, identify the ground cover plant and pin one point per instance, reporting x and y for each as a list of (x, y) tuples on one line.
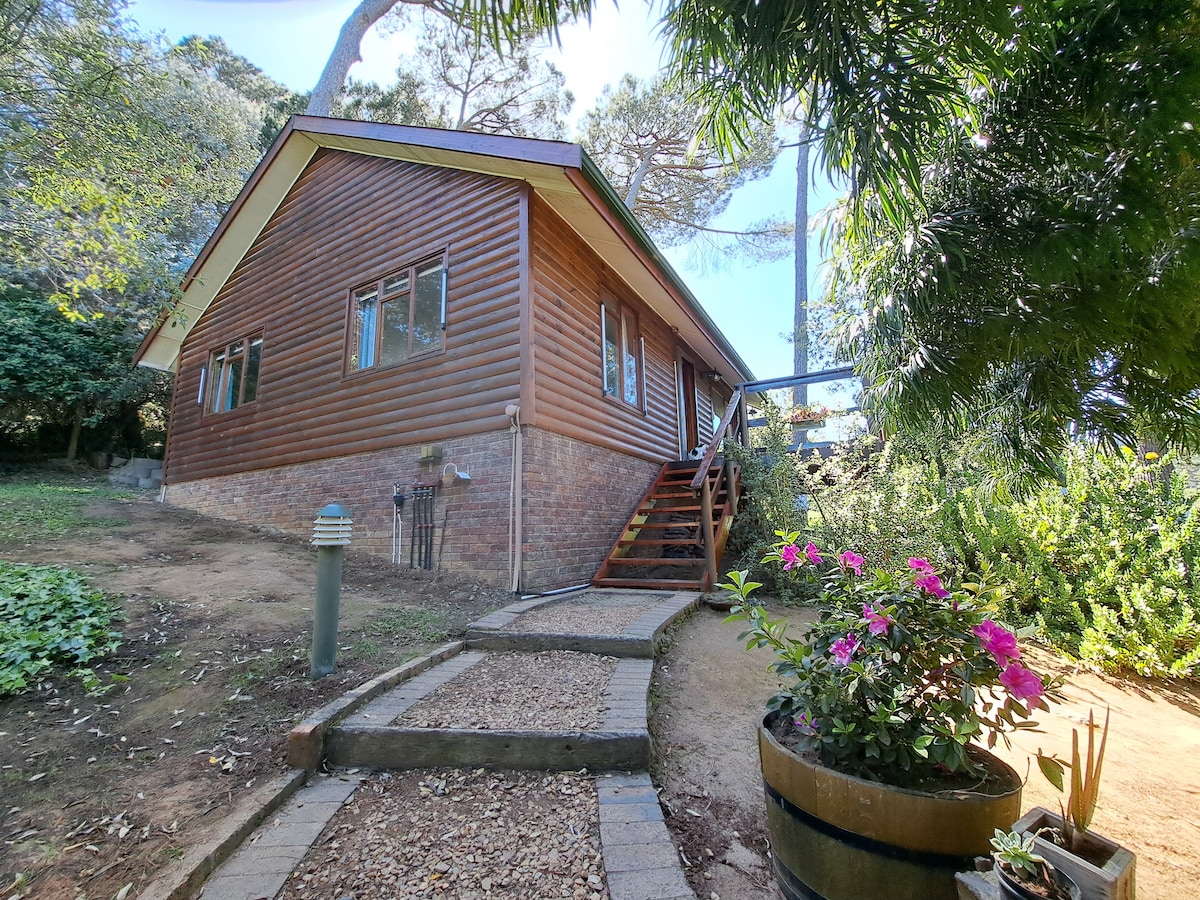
[(1102, 561), (50, 618)]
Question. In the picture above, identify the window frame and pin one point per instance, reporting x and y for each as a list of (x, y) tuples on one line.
[(217, 374), (630, 344), (376, 290)]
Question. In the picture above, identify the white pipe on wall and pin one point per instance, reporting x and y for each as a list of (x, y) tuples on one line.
[(515, 498)]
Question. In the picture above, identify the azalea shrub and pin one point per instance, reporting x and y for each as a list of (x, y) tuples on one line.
[(901, 674)]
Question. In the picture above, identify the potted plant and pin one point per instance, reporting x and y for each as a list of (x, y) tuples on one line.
[(1025, 875), (870, 756), (810, 415), (1103, 869)]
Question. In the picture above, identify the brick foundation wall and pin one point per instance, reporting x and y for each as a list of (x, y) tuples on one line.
[(576, 499), (471, 520)]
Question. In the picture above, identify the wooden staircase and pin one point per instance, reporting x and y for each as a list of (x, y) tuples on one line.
[(662, 545)]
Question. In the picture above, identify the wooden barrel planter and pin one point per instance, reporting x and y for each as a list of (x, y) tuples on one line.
[(837, 837)]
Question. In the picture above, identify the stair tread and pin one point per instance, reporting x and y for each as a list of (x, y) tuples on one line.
[(656, 561), (659, 542)]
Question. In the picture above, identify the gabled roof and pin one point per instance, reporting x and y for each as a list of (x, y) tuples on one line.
[(562, 174)]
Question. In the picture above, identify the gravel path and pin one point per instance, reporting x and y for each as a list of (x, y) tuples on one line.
[(593, 614), (467, 835), (553, 690)]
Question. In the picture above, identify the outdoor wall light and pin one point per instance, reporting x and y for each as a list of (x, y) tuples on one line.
[(452, 475)]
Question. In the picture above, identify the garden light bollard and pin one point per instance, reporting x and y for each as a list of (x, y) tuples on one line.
[(331, 532)]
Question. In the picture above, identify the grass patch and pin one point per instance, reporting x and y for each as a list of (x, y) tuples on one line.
[(31, 511), (424, 625)]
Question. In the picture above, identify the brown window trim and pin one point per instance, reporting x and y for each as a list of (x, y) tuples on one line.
[(397, 284), (240, 358), (628, 336)]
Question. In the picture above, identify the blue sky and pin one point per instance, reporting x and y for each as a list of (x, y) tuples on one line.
[(291, 39)]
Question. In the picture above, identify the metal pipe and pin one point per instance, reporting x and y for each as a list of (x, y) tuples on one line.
[(325, 625), (331, 535), (516, 498)]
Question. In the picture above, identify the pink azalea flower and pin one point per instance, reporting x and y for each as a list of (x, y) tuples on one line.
[(802, 721), (810, 550), (1023, 684), (790, 555), (931, 584), (920, 565), (878, 621), (851, 560), (843, 649), (998, 641)]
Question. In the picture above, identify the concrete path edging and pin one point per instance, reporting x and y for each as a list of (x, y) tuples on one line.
[(306, 742), (185, 878)]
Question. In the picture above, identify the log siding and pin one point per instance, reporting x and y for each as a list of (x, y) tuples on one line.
[(348, 219), (569, 285)]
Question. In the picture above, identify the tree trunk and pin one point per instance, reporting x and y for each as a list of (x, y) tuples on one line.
[(345, 53), (800, 325), (76, 428)]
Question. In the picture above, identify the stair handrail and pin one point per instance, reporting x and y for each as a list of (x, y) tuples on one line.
[(700, 484), (714, 445)]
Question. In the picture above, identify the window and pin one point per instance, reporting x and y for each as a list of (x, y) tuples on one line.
[(624, 350), (231, 377), (400, 316)]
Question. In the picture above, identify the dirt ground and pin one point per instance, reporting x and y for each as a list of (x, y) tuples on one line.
[(708, 694), (102, 792)]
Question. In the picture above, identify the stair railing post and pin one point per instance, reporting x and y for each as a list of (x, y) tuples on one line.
[(706, 535), (731, 485)]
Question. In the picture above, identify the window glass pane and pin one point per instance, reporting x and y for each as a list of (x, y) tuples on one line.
[(611, 354), (427, 310), (233, 391), (397, 284), (394, 348), (253, 359), (629, 358), (364, 351), (217, 368), (236, 347)]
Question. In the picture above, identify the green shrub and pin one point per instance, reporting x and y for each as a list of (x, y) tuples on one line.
[(1104, 563), (49, 618), (772, 484)]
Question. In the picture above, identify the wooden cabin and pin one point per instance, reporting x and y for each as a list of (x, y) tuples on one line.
[(472, 322)]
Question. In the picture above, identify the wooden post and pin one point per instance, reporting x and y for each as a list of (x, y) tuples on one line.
[(706, 534), (731, 486)]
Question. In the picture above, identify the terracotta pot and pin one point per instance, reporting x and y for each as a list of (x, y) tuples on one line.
[(1112, 877), (837, 837), (1012, 889)]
